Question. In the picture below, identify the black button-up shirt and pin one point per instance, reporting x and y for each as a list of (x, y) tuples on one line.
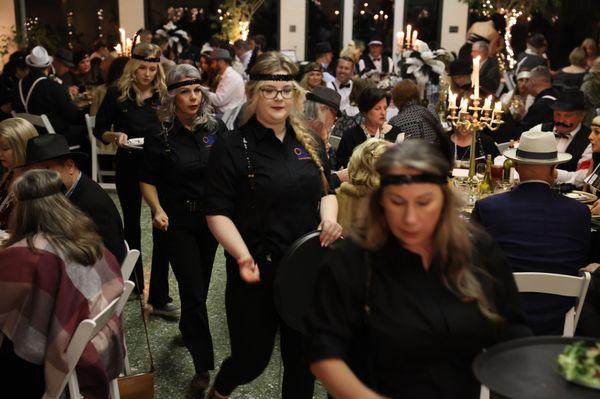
[(285, 202), (127, 117), (175, 162)]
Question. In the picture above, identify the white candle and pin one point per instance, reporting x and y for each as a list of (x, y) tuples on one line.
[(452, 99), (129, 44), (414, 38), (476, 61), (498, 106), (400, 40), (118, 49), (408, 30), (487, 105), (464, 105), (122, 37)]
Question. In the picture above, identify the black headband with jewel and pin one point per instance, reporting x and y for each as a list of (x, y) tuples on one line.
[(188, 82), (278, 78), (409, 179), (147, 59)]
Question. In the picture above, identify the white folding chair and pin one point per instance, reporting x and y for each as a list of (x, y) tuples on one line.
[(129, 263), (97, 150), (84, 333), (36, 120), (558, 284)]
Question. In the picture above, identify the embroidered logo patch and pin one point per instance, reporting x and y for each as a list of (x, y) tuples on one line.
[(209, 140), (301, 153)]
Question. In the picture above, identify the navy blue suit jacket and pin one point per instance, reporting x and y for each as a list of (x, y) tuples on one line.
[(539, 230)]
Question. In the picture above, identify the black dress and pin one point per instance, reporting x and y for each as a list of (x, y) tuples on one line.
[(352, 138), (419, 339)]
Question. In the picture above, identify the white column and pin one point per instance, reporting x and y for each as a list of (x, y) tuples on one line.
[(131, 16), (398, 18), (8, 21), (455, 14), (292, 26), (347, 21)]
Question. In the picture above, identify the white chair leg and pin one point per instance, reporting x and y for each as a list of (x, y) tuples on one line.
[(74, 392), (114, 389), (569, 327), (126, 359), (484, 393)]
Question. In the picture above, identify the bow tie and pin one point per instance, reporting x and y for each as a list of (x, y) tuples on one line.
[(376, 59), (345, 85), (562, 135)]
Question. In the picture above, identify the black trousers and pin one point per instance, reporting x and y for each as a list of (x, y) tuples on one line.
[(127, 170), (192, 247), (253, 322), (18, 375)]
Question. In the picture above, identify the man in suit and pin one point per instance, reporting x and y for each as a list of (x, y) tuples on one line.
[(489, 73), (374, 60), (534, 55), (539, 86), (572, 137), (51, 151), (538, 229)]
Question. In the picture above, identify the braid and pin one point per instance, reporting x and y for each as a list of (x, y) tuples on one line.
[(308, 141)]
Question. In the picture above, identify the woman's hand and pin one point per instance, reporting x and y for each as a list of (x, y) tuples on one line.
[(160, 220), (596, 208), (330, 231), (248, 269), (119, 138)]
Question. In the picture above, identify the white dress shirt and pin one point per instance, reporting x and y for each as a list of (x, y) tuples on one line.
[(562, 143), (245, 58), (343, 92), (377, 63), (230, 91)]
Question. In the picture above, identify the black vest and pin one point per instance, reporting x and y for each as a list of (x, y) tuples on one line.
[(370, 65), (575, 148)]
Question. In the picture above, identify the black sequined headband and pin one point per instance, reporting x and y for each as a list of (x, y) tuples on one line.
[(409, 179), (263, 76), (184, 83), (147, 59)]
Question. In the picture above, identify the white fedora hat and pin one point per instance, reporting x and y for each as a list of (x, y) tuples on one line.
[(537, 148), (38, 58)]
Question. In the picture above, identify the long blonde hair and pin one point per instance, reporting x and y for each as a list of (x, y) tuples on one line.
[(453, 235), (42, 208), (127, 79), (16, 132), (273, 62)]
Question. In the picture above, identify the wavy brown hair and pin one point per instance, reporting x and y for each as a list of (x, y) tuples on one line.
[(270, 63), (453, 235), (127, 79), (42, 209)]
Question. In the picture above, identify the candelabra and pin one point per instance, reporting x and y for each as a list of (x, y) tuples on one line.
[(474, 118)]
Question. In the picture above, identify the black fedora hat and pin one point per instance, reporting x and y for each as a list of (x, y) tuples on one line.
[(65, 56), (325, 95), (569, 100), (323, 48), (49, 146)]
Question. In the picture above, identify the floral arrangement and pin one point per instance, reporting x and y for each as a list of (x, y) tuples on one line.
[(235, 17)]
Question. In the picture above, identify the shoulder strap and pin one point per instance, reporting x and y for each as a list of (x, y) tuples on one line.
[(25, 100), (549, 97)]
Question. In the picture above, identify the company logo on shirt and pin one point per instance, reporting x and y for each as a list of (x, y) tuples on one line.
[(301, 153), (209, 140)]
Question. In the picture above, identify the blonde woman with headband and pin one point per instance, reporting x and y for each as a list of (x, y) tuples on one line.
[(14, 133), (173, 184), (128, 111), (267, 186)]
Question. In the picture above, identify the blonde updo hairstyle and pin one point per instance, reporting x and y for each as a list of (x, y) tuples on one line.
[(272, 63), (16, 132), (127, 79), (361, 167)]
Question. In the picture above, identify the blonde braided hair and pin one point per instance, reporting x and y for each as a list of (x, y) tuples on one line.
[(273, 62)]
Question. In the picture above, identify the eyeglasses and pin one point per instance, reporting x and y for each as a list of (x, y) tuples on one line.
[(270, 92)]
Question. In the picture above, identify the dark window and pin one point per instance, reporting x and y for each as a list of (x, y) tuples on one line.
[(324, 24)]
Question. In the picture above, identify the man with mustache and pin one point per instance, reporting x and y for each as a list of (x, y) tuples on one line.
[(571, 136)]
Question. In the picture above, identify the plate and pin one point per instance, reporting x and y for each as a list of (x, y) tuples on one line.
[(582, 196)]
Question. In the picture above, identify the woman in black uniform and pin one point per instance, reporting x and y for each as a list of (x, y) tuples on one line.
[(266, 187), (129, 111), (402, 308), (172, 182)]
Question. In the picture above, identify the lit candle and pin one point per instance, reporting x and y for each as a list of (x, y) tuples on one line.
[(464, 105), (118, 49), (414, 38), (475, 79), (408, 30), (452, 99), (400, 40), (122, 37), (129, 44), (498, 106), (487, 105)]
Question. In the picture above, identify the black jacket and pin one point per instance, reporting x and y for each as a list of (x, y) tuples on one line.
[(576, 147), (489, 75), (49, 98), (540, 111), (90, 198)]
